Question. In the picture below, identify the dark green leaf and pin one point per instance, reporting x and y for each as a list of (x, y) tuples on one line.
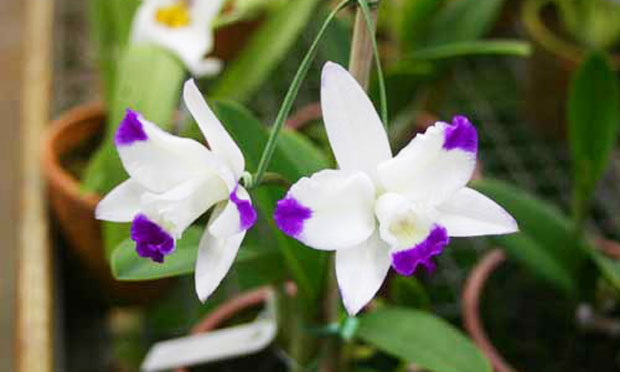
[(407, 291), (476, 47), (594, 117), (463, 20), (264, 51), (545, 227), (421, 338)]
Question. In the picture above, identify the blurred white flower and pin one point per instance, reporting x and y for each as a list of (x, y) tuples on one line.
[(183, 27)]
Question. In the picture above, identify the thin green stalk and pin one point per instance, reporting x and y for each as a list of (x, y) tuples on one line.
[(292, 94), (370, 25)]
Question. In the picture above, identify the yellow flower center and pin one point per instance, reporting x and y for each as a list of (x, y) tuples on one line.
[(174, 16), (408, 230)]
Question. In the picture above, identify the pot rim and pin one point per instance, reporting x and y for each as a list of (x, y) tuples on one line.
[(568, 51), (55, 173)]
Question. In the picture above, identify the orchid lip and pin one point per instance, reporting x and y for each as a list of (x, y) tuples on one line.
[(152, 240), (461, 135), (290, 216), (406, 262), (130, 129), (247, 213)]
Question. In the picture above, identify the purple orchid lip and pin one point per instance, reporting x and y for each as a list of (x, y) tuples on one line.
[(247, 213), (290, 216), (151, 240), (405, 262), (461, 135), (130, 129)]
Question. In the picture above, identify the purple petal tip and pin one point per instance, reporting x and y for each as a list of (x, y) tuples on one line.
[(151, 240), (130, 130), (405, 262), (461, 135), (247, 213), (290, 216)]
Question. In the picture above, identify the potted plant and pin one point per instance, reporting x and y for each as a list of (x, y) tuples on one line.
[(562, 32), (580, 313)]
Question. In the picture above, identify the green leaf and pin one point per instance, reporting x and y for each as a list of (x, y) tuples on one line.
[(414, 20), (127, 265), (421, 338), (594, 117), (609, 267), (524, 249), (475, 47), (264, 51), (545, 228), (463, 20), (307, 266), (407, 291)]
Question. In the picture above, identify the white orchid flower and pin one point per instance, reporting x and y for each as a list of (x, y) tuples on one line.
[(181, 26), (377, 210), (173, 181)]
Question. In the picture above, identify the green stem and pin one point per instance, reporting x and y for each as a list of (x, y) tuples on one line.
[(370, 26), (292, 94)]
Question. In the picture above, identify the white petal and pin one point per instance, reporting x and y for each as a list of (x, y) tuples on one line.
[(330, 210), (425, 170), (205, 67), (176, 209), (360, 271), (355, 132), (402, 223), (190, 43), (470, 213), (215, 257), (218, 138), (157, 159), (237, 216), (122, 203)]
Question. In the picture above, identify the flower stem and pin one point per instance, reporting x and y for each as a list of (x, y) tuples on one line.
[(292, 94)]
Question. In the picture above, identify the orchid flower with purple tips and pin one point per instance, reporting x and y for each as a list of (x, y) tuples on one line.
[(175, 180), (378, 210)]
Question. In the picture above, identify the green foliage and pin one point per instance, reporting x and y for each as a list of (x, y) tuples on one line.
[(546, 243), (264, 51), (594, 117), (408, 291), (110, 23), (421, 338), (476, 47), (593, 22)]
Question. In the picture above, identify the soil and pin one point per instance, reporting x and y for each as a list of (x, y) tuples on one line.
[(534, 327)]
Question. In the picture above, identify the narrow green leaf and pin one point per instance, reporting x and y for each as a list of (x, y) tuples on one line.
[(476, 47), (407, 291), (264, 51), (414, 20), (610, 268), (421, 338), (594, 117), (545, 227)]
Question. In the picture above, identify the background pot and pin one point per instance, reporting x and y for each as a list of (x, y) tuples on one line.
[(474, 289), (75, 209), (554, 59)]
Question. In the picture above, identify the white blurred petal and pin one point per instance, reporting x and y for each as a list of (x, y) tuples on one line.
[(237, 216)]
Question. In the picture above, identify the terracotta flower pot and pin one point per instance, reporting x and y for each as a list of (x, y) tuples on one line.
[(472, 294), (75, 209), (554, 60)]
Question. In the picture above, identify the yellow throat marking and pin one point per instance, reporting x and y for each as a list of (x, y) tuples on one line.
[(174, 16)]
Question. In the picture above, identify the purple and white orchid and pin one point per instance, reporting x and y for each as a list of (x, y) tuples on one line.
[(173, 181), (181, 26), (377, 210)]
